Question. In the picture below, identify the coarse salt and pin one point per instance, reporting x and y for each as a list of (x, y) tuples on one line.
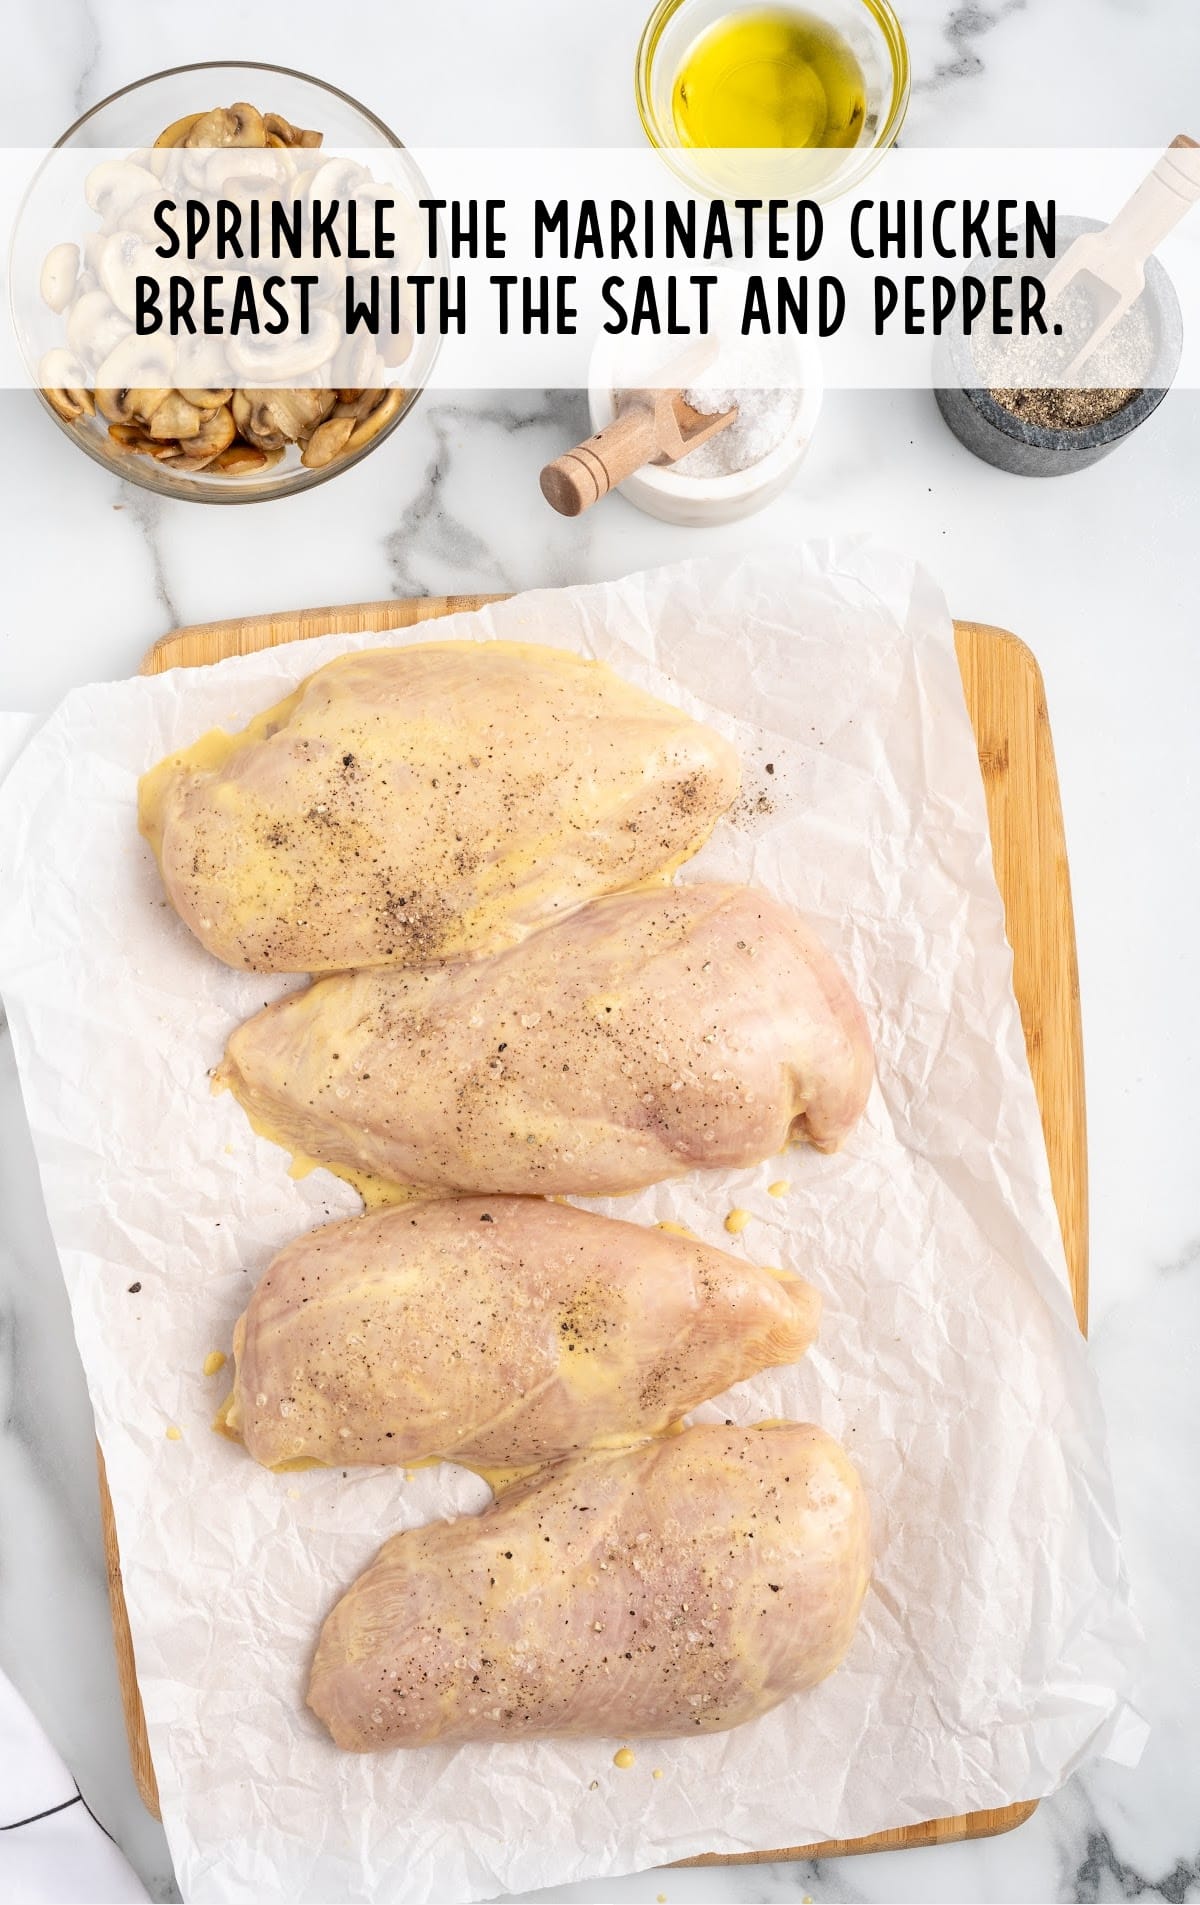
[(763, 420), (767, 405)]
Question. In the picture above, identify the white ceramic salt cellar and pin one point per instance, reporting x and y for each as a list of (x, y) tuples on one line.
[(668, 492)]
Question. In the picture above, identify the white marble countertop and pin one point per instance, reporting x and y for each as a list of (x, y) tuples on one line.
[(1099, 574)]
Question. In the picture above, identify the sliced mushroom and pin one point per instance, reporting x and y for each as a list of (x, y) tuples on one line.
[(338, 178), (129, 406), (126, 258), (236, 125), (281, 357), (185, 169), (245, 408), (293, 414), (242, 459), (174, 418), (355, 365), (302, 188), (139, 218), (206, 399), (178, 130), (254, 168), (249, 121), (95, 327), (200, 363), (357, 404), (215, 434), (185, 462), (137, 365), (127, 439), (59, 274), (63, 402), (396, 346), (61, 379), (378, 420), (281, 129), (329, 288), (115, 186), (327, 441), (71, 404)]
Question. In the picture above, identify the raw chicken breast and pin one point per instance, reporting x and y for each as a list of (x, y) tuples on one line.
[(684, 1586), (497, 1331), (648, 1034), (412, 804)]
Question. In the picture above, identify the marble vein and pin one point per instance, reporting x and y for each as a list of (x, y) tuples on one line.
[(429, 525), (965, 28), (1101, 1875), (87, 41), (146, 511)]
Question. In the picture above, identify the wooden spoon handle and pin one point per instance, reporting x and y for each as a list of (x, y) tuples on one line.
[(580, 478), (1158, 204)]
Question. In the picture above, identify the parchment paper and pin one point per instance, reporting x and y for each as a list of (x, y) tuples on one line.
[(994, 1652)]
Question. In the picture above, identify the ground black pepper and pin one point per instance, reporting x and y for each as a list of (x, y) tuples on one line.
[(1024, 374)]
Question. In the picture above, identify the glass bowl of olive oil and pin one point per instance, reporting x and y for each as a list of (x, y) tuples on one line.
[(800, 99)]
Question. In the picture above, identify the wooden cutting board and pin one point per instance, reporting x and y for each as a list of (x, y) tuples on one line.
[(1007, 705)]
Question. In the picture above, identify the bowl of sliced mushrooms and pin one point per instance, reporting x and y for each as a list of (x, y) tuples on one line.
[(172, 424)]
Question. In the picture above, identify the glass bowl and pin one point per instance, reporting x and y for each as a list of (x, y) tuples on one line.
[(133, 118), (873, 33)]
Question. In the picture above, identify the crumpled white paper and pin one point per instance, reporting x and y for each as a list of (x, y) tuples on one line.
[(994, 1653)]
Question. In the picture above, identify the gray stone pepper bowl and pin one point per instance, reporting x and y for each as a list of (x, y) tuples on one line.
[(1028, 449)]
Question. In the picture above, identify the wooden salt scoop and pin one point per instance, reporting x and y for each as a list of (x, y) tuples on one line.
[(1110, 265), (659, 426)]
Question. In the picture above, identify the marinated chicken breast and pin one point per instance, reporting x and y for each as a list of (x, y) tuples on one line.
[(411, 804), (649, 1034), (683, 1586), (497, 1331)]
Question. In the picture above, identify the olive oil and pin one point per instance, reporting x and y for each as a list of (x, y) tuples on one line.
[(770, 76)]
